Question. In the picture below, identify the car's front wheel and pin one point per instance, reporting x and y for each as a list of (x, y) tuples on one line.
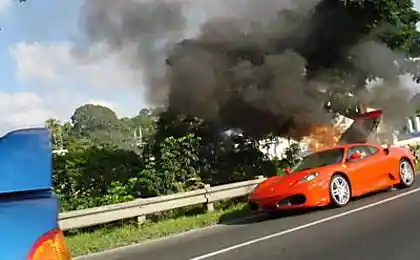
[(340, 192), (407, 175)]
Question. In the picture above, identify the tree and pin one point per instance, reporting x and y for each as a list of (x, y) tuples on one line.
[(390, 22), (222, 158), (60, 133), (400, 31), (94, 121), (142, 125), (101, 124), (393, 23)]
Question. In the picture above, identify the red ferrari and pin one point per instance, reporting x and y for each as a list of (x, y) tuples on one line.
[(336, 175)]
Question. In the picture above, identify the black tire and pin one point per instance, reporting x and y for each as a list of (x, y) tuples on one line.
[(344, 186), (407, 176)]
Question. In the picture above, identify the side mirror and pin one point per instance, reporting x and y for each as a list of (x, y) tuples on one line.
[(287, 171), (355, 157), (386, 150)]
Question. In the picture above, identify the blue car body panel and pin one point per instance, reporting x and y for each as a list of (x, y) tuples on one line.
[(25, 160), (28, 208), (22, 222)]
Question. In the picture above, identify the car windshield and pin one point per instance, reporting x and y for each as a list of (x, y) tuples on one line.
[(319, 159)]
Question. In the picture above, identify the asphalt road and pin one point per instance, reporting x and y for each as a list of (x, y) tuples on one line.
[(368, 228)]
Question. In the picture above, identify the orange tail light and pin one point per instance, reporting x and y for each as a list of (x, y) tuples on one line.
[(50, 246)]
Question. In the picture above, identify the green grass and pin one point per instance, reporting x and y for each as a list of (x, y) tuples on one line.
[(107, 238)]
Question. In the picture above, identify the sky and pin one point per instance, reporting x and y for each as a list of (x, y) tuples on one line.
[(40, 78)]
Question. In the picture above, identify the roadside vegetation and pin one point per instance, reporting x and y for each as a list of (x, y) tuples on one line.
[(98, 172), (105, 163), (101, 159), (123, 234)]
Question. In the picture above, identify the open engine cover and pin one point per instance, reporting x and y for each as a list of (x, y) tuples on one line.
[(363, 129)]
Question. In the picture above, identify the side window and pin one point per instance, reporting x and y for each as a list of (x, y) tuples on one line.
[(372, 149), (351, 151), (364, 150)]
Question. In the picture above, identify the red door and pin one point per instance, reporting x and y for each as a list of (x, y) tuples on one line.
[(363, 172)]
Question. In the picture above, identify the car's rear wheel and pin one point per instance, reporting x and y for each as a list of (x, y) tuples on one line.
[(340, 192), (407, 175)]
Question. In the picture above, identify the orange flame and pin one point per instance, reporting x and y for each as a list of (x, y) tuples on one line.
[(322, 137)]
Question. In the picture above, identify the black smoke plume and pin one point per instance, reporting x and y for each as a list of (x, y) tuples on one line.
[(259, 72)]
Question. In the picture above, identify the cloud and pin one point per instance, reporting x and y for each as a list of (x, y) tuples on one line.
[(59, 81), (38, 62), (57, 63), (4, 6), (29, 109), (24, 109)]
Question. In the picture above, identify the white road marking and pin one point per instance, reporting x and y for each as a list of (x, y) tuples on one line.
[(285, 232)]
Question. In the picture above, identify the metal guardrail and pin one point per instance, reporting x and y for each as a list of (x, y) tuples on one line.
[(141, 207)]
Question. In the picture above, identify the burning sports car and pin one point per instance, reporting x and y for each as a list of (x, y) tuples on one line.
[(355, 166)]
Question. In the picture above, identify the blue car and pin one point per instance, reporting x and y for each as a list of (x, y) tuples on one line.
[(28, 208)]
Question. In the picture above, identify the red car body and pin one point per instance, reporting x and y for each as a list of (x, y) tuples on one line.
[(351, 169)]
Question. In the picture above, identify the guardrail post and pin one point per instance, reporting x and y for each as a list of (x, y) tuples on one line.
[(141, 220), (209, 206)]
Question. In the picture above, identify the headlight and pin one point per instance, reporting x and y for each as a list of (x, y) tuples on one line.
[(309, 177)]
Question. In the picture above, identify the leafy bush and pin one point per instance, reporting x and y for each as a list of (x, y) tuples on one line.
[(88, 174), (290, 158), (183, 154)]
